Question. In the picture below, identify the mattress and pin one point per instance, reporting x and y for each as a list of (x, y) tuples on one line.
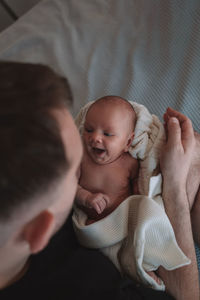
[(145, 51)]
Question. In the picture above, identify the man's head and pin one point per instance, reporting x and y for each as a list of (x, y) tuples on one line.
[(108, 129), (39, 154)]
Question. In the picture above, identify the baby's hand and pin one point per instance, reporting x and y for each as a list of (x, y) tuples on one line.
[(97, 201)]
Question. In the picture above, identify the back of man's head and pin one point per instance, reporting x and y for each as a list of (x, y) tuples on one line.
[(32, 156)]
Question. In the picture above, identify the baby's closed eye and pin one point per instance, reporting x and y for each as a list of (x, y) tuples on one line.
[(108, 134), (88, 130)]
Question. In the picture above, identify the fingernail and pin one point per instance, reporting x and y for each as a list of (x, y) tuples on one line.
[(174, 120)]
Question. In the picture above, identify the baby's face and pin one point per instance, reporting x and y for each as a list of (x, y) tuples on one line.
[(107, 133)]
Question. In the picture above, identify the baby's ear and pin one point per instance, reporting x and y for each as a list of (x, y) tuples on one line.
[(129, 141)]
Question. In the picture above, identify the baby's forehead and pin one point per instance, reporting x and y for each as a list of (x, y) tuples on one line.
[(112, 108), (112, 113), (112, 105)]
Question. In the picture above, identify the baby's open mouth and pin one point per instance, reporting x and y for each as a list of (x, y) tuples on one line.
[(98, 150)]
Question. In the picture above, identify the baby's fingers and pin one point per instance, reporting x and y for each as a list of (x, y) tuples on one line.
[(101, 204), (99, 207), (106, 199)]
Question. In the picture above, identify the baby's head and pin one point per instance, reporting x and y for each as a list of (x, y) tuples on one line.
[(108, 129)]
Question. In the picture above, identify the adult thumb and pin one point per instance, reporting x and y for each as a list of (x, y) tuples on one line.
[(173, 131)]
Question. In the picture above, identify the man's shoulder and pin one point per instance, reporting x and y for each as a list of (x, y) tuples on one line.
[(65, 270)]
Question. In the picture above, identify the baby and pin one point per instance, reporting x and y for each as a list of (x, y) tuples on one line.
[(108, 172)]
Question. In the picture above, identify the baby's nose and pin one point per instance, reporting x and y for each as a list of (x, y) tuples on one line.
[(96, 137)]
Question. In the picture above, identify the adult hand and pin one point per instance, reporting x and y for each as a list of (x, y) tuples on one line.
[(175, 161), (179, 148)]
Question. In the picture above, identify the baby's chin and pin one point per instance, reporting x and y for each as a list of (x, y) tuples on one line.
[(99, 160), (100, 156), (102, 160)]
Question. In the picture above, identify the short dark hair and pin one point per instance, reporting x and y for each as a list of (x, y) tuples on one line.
[(32, 155)]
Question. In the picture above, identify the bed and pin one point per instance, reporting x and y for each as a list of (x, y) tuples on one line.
[(144, 51)]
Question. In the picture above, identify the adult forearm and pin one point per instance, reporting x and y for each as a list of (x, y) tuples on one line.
[(195, 218), (182, 283)]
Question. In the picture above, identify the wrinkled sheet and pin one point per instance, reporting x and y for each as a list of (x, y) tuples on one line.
[(145, 51)]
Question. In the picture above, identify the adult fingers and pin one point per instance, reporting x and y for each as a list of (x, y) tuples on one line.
[(173, 132), (166, 117), (174, 113), (187, 132)]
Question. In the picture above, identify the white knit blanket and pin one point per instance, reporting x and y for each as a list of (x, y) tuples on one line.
[(137, 236)]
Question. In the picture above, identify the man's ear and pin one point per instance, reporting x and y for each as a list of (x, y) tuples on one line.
[(129, 141), (38, 232)]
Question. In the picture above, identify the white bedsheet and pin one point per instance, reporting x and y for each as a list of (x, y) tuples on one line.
[(145, 51)]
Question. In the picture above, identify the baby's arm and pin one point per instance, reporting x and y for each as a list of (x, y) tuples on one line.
[(97, 201)]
